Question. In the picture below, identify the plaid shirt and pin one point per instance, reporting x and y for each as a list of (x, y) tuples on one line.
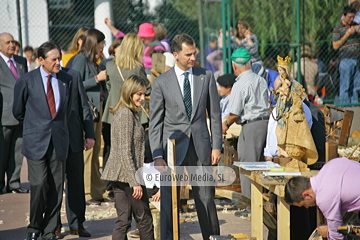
[(351, 47)]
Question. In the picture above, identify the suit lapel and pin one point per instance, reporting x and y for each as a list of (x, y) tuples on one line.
[(38, 82), (198, 83), (19, 67), (173, 86), (63, 86), (7, 70)]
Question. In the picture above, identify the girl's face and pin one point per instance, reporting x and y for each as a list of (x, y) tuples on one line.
[(139, 97)]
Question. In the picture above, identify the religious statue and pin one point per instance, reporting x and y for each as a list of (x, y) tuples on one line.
[(293, 133)]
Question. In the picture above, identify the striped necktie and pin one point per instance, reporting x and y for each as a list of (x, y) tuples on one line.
[(187, 95)]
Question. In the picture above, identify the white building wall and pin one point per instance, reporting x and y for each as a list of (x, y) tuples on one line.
[(34, 21)]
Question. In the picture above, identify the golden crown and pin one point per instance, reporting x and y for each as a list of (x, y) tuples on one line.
[(282, 61)]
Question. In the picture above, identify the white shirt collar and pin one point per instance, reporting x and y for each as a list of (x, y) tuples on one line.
[(6, 59), (180, 72)]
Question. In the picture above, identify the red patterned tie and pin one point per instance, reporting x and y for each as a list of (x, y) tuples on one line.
[(50, 97)]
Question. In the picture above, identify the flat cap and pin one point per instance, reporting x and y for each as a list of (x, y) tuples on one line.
[(226, 80)]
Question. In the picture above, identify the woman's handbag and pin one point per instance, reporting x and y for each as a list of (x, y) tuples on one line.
[(94, 112)]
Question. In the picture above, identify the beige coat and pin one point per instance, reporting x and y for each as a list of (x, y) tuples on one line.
[(127, 148)]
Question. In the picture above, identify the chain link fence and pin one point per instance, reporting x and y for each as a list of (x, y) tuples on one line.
[(282, 27)]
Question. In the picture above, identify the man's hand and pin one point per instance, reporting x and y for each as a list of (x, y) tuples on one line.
[(156, 196), (269, 159), (89, 143), (138, 192), (224, 128), (323, 230), (160, 165), (215, 157)]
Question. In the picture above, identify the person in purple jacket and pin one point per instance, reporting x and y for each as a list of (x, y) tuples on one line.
[(335, 190)]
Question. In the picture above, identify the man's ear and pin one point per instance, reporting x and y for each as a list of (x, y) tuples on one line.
[(176, 55), (41, 60), (306, 194), (234, 66)]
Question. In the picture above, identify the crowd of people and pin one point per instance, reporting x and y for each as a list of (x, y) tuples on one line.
[(56, 107)]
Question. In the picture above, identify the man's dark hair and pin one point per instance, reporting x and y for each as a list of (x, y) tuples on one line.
[(28, 48), (47, 47), (294, 189), (176, 44), (348, 9)]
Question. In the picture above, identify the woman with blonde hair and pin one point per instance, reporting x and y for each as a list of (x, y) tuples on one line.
[(75, 45), (127, 62), (126, 157)]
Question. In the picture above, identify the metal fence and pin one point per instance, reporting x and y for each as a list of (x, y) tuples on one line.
[(282, 27)]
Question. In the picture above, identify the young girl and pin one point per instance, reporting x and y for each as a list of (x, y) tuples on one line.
[(126, 157)]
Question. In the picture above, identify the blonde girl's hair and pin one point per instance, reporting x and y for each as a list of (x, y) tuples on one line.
[(74, 45), (132, 85), (130, 53)]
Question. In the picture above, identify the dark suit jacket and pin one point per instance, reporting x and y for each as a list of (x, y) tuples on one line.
[(31, 107), (80, 119), (7, 83), (318, 129), (168, 118), (88, 72)]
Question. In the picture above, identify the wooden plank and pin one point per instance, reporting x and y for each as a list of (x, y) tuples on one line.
[(174, 202), (256, 210), (283, 222), (345, 128)]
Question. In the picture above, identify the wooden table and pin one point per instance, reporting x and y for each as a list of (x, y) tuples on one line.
[(283, 209)]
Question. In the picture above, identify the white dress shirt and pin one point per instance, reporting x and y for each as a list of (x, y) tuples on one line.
[(54, 84), (6, 59), (180, 77)]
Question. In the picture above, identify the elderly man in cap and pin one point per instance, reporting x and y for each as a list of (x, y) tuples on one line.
[(225, 84), (248, 106)]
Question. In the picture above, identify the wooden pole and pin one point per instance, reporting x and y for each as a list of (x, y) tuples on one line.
[(172, 165)]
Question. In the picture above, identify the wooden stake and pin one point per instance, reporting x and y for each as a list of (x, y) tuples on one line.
[(172, 165)]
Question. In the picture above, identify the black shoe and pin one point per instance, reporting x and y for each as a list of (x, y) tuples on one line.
[(52, 238), (19, 190), (81, 232), (32, 236)]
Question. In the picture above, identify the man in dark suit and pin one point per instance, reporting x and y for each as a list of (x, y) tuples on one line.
[(80, 126), (11, 68), (43, 105), (1, 133), (180, 100)]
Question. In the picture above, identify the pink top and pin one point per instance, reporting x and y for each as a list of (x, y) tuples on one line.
[(337, 190), (119, 34)]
